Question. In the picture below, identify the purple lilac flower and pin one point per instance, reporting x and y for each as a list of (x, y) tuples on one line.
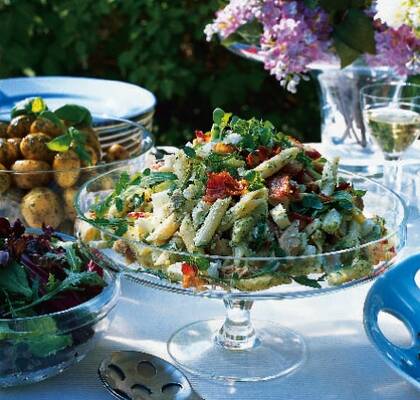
[(232, 17), (295, 36), (299, 37), (397, 48)]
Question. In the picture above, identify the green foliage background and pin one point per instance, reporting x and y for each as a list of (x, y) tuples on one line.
[(159, 45)]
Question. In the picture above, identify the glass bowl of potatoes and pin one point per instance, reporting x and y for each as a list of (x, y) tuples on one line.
[(46, 155)]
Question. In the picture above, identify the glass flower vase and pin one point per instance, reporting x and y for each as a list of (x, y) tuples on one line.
[(342, 130)]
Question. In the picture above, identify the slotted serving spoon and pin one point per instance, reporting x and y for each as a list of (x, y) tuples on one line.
[(133, 375)]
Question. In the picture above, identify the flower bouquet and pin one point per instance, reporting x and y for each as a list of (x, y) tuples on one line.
[(293, 38), (289, 36)]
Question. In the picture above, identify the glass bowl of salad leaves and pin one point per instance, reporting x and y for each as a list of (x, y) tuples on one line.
[(243, 213), (46, 155), (55, 303)]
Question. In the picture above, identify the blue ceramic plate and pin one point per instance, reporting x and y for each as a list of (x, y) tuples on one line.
[(398, 294), (100, 96)]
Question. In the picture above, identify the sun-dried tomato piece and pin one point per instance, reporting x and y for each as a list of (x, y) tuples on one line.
[(137, 214), (261, 154), (343, 186), (252, 160), (293, 168), (221, 185), (303, 219), (281, 189), (312, 153)]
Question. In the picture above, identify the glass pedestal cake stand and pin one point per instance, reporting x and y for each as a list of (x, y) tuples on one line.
[(238, 349)]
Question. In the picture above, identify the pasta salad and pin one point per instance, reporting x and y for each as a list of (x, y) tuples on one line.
[(241, 191)]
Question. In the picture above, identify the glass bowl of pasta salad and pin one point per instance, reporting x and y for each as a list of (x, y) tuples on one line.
[(242, 213)]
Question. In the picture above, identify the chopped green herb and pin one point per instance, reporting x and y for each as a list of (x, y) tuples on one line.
[(189, 151)]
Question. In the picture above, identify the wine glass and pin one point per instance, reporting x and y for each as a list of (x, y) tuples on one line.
[(391, 113)]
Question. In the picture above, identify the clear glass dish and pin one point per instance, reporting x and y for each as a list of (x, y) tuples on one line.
[(35, 348), (238, 349), (55, 190)]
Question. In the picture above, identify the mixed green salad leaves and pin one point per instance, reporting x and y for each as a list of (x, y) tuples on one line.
[(40, 274)]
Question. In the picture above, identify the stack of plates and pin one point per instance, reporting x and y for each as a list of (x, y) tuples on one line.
[(102, 97)]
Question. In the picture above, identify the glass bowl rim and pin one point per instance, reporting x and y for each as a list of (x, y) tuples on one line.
[(212, 257), (147, 136), (108, 295), (391, 83)]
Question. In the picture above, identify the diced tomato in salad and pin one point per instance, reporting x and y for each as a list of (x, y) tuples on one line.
[(221, 185), (281, 189), (136, 214), (263, 153), (190, 276), (202, 137), (303, 219)]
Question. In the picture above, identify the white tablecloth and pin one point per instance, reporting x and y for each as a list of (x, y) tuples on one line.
[(341, 363)]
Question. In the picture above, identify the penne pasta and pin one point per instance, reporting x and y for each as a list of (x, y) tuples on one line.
[(187, 233), (246, 205), (276, 163), (164, 231), (212, 221)]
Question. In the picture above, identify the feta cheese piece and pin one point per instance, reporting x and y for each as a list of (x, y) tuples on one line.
[(232, 138), (279, 215)]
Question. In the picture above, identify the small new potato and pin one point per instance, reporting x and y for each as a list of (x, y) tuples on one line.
[(34, 147), (68, 164), (3, 130), (4, 180), (31, 173), (117, 152), (93, 157), (92, 140), (44, 125), (4, 152), (19, 126), (42, 206), (69, 196), (14, 149)]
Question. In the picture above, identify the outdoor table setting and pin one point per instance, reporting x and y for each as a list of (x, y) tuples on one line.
[(242, 262)]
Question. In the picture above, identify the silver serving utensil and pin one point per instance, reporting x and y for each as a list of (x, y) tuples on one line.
[(133, 375)]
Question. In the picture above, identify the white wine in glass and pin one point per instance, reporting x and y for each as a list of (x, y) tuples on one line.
[(391, 113), (394, 129)]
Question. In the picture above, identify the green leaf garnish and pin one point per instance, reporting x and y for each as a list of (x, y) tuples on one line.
[(255, 181), (304, 280), (138, 201), (202, 263), (74, 114), (73, 138), (29, 106), (52, 117), (218, 114), (310, 200), (13, 279), (60, 143), (74, 261), (343, 200), (119, 204), (189, 152), (156, 177)]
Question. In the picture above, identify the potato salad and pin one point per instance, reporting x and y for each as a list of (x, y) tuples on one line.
[(240, 191)]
